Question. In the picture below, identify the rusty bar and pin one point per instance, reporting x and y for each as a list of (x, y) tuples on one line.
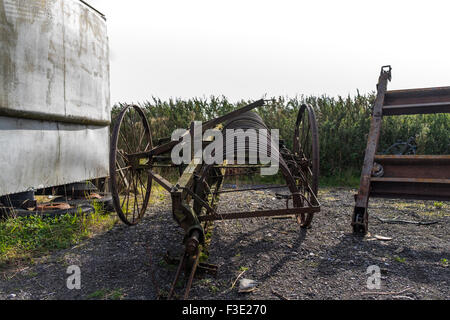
[(250, 189), (187, 179), (359, 220), (417, 96), (259, 214), (191, 277), (417, 101), (413, 177), (162, 182), (412, 180), (177, 276), (421, 108), (420, 167), (423, 189)]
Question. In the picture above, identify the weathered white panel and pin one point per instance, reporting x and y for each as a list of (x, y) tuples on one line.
[(38, 154), (54, 94), (54, 59)]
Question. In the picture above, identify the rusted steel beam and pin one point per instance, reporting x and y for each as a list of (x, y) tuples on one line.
[(417, 96), (420, 108), (413, 180), (187, 178), (259, 214), (418, 167), (362, 199), (411, 188), (417, 101), (191, 276), (162, 182), (250, 189)]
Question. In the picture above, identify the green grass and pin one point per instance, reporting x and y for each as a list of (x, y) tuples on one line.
[(439, 205), (163, 264), (348, 178), (98, 294), (213, 289), (116, 294), (24, 238)]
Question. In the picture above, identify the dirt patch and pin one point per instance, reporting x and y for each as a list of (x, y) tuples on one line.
[(325, 262)]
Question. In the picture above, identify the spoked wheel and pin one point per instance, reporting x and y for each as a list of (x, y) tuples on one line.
[(130, 184), (306, 149)]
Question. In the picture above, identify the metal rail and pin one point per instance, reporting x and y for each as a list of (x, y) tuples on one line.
[(403, 176)]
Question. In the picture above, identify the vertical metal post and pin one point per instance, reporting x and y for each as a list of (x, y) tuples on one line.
[(360, 215)]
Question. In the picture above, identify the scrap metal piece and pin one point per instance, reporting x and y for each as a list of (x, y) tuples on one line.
[(401, 176), (360, 216)]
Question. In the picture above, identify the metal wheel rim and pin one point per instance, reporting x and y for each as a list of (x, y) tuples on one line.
[(307, 117), (137, 178)]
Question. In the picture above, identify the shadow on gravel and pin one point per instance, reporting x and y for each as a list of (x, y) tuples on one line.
[(352, 252), (252, 246), (278, 266)]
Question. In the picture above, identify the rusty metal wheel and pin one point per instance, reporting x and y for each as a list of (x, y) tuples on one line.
[(130, 184), (306, 150)]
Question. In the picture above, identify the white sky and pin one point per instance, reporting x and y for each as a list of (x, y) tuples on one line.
[(244, 49)]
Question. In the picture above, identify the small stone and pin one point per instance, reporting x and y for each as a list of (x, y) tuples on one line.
[(247, 285), (382, 238), (399, 250)]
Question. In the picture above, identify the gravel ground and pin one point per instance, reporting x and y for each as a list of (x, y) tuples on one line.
[(324, 262)]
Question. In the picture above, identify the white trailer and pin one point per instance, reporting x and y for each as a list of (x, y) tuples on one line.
[(54, 94)]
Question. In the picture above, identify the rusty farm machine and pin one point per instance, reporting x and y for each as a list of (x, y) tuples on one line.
[(135, 163), (397, 176)]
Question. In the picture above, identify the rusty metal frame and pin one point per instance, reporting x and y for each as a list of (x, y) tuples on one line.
[(194, 196), (410, 177), (182, 194)]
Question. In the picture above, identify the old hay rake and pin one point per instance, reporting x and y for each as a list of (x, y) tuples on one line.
[(135, 163)]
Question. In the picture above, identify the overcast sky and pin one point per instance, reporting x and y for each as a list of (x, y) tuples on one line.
[(244, 49)]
